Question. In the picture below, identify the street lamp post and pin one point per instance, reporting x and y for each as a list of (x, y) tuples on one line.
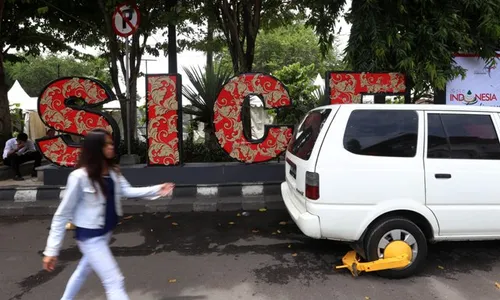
[(147, 60)]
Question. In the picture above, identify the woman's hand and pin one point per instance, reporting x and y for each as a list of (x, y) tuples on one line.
[(167, 189), (49, 263)]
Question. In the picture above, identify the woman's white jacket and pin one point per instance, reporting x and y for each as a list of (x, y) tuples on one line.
[(85, 205)]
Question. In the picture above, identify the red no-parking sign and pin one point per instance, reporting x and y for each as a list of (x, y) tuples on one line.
[(126, 19)]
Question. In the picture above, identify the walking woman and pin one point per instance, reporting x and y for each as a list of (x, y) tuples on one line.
[(92, 202)]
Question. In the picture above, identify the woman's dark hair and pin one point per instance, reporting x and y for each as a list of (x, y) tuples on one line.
[(92, 156)]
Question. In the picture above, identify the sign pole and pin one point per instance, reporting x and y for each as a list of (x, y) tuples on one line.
[(129, 100), (126, 19)]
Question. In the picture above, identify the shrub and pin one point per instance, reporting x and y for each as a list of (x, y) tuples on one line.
[(198, 152), (137, 147)]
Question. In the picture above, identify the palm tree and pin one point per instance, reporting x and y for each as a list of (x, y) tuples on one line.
[(203, 94)]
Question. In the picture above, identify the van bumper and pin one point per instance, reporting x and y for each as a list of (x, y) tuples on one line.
[(307, 223)]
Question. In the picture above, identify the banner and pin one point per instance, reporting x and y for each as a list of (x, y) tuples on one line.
[(481, 85)]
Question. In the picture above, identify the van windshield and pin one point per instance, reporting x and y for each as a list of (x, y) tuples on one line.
[(305, 136)]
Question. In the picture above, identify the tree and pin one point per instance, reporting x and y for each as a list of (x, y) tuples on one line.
[(240, 22), (282, 46), (419, 38), (303, 93), (293, 43), (34, 73), (94, 28), (206, 87), (21, 31)]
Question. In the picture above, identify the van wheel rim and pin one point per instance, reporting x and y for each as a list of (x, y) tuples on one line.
[(398, 235)]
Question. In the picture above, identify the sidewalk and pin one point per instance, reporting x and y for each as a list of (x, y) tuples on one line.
[(28, 182), (32, 198)]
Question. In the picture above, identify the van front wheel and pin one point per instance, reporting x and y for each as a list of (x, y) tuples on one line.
[(390, 230)]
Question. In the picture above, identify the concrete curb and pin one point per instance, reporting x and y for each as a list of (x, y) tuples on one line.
[(44, 208), (202, 198), (44, 193)]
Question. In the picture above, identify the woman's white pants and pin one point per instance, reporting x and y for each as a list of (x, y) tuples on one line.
[(97, 257)]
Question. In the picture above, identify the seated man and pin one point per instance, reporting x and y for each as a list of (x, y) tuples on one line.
[(18, 151), (50, 133)]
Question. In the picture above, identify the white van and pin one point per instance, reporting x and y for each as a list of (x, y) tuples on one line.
[(372, 174)]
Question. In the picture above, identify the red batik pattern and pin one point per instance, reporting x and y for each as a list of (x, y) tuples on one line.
[(55, 113), (349, 87), (228, 124), (163, 113)]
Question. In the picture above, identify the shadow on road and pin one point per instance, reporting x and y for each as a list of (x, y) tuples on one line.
[(269, 233)]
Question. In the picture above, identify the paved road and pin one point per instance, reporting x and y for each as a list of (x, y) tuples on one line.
[(206, 257)]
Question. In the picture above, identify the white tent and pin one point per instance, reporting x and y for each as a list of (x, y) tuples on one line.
[(115, 104), (319, 82), (17, 95)]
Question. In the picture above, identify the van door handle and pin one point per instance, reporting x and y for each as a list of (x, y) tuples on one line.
[(442, 176)]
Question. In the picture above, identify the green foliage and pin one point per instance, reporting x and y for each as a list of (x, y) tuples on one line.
[(240, 22), (319, 95), (419, 38), (17, 118), (193, 152), (291, 44), (136, 147), (34, 73), (22, 29), (89, 24), (321, 16), (301, 89), (206, 86), (285, 45), (198, 152)]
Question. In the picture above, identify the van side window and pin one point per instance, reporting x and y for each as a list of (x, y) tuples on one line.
[(438, 145), (305, 136), (462, 136), (390, 133)]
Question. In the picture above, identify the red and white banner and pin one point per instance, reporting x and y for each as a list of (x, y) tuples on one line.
[(481, 85)]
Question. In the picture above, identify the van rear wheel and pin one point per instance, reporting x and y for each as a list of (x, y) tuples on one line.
[(397, 229)]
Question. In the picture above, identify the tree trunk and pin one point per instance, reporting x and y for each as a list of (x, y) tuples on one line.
[(133, 109), (172, 42), (172, 49), (2, 5), (240, 24), (5, 119), (210, 138), (251, 24), (439, 96), (210, 40)]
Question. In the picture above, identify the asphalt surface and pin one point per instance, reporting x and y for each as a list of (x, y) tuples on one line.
[(217, 256)]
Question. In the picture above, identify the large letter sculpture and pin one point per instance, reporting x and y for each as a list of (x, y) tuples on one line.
[(58, 109), (228, 123), (348, 87), (164, 118)]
